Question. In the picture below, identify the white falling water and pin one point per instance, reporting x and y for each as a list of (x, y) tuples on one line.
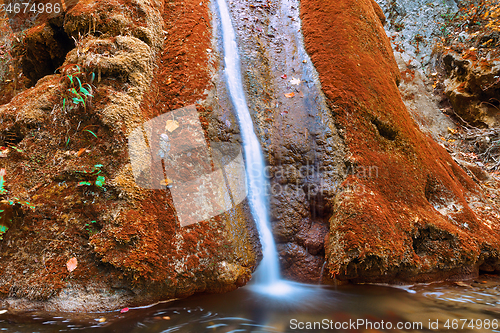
[(268, 280), (256, 181)]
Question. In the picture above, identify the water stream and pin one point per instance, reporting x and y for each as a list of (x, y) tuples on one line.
[(254, 161), (418, 307)]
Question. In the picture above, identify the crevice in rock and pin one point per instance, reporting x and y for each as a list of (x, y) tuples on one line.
[(384, 129), (319, 208), (11, 137), (44, 50), (429, 240)]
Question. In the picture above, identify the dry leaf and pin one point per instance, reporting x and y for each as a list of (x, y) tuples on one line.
[(290, 95), (172, 125), (4, 151), (295, 81), (452, 130), (71, 264), (80, 152), (166, 182)]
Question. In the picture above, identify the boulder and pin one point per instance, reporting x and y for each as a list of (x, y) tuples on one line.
[(69, 178), (473, 87), (420, 217)]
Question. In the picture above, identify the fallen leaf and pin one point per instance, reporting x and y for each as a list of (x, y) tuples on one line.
[(4, 151), (166, 182), (295, 81), (124, 310), (171, 125), (283, 76), (166, 318), (102, 320), (452, 130), (462, 284), (80, 152), (290, 95), (489, 41), (71, 264)]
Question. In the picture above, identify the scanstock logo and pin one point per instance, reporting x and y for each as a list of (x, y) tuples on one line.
[(205, 178)]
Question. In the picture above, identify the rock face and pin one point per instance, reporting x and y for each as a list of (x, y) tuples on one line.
[(70, 190), (414, 26), (300, 140), (353, 179), (417, 216), (423, 105), (473, 87)]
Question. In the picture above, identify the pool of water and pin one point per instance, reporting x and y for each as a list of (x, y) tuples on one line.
[(437, 307)]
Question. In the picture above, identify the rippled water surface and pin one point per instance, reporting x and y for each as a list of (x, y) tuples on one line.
[(245, 310)]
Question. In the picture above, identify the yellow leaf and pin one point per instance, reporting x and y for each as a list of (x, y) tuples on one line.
[(290, 95), (71, 264), (165, 182), (171, 125)]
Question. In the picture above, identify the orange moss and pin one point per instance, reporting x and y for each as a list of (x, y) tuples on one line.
[(376, 229)]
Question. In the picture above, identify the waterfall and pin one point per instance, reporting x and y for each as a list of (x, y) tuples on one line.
[(268, 282), (257, 184)]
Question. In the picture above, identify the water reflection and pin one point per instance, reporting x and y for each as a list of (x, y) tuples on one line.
[(246, 310)]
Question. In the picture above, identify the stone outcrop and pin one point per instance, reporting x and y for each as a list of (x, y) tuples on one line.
[(71, 191), (357, 190), (419, 217), (473, 87)]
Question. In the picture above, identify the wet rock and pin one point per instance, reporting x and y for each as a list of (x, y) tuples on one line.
[(300, 140), (472, 86), (312, 237), (420, 217), (298, 264), (69, 175)]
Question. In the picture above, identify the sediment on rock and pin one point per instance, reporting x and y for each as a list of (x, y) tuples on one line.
[(420, 217), (70, 179)]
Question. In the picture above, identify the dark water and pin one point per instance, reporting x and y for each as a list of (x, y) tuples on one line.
[(361, 308)]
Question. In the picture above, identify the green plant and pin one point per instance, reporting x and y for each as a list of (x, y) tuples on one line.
[(77, 86), (90, 227), (99, 180)]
